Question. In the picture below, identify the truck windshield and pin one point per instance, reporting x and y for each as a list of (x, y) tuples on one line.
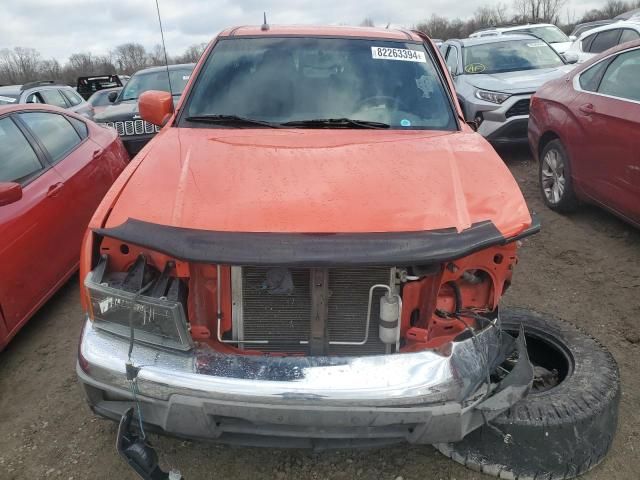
[(550, 34), (321, 82), (511, 56), (144, 81)]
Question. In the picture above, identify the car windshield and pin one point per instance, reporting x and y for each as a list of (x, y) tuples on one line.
[(512, 56), (283, 80), (549, 34), (142, 82), (6, 99)]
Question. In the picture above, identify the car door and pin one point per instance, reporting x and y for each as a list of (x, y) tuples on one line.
[(30, 228), (611, 115), (77, 159), (617, 107)]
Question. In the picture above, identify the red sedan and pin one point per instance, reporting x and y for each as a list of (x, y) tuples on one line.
[(55, 167), (585, 131)]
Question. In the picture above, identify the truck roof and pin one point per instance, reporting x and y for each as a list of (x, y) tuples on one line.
[(330, 31)]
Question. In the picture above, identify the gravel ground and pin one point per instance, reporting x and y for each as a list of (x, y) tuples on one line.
[(584, 268)]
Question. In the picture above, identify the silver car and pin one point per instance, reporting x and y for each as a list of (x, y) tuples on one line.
[(48, 92), (495, 78)]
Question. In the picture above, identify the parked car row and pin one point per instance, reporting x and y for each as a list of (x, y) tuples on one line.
[(516, 88)]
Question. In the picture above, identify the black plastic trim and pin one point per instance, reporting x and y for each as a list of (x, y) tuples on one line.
[(309, 249)]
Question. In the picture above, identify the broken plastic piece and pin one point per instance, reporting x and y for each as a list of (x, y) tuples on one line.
[(139, 454)]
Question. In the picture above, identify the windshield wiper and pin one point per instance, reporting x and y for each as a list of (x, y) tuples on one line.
[(231, 120), (335, 123)]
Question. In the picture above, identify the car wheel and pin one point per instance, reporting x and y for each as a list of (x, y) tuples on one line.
[(556, 184), (565, 425)]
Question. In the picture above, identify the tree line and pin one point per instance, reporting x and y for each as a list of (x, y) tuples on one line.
[(19, 65), (22, 64)]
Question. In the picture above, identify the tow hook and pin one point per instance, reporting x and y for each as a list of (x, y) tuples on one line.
[(139, 454)]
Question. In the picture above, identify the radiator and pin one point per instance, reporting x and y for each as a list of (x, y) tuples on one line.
[(282, 316)]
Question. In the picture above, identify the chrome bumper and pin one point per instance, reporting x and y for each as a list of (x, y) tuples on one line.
[(206, 394)]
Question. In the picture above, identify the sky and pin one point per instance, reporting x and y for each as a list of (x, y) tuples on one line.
[(58, 28)]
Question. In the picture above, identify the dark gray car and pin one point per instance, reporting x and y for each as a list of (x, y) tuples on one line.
[(122, 113), (48, 92), (495, 78)]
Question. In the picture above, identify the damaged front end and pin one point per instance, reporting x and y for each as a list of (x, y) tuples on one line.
[(319, 341)]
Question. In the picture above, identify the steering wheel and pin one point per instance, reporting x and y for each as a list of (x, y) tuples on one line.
[(392, 101)]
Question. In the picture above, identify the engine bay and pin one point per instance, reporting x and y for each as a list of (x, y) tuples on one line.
[(296, 311)]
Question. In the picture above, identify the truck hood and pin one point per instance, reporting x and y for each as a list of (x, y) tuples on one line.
[(118, 112), (319, 181), (523, 81)]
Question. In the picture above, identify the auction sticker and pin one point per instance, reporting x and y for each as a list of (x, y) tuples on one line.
[(403, 54), (475, 68)]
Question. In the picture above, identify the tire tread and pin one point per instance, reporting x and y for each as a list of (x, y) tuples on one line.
[(579, 415)]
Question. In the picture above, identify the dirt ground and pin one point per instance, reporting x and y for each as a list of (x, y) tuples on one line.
[(584, 268)]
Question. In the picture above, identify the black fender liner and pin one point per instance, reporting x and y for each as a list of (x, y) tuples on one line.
[(312, 249)]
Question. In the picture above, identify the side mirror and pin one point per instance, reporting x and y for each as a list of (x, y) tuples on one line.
[(570, 57), (573, 38), (156, 107), (112, 96), (10, 192)]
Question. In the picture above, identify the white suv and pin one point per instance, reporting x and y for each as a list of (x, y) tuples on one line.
[(546, 31), (599, 39)]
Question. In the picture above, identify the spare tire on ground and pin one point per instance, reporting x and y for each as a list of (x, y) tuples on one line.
[(566, 424)]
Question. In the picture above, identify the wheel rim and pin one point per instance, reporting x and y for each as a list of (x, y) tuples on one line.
[(552, 176), (553, 363)]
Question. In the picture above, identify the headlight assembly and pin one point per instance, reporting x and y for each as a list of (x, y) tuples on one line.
[(493, 97), (156, 321)]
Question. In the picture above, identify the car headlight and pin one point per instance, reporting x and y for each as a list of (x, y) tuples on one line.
[(493, 97), (156, 321)]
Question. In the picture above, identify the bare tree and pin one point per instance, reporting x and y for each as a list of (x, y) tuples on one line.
[(51, 69), (192, 54), (81, 62), (613, 8), (19, 65), (547, 11), (367, 22), (488, 16), (130, 57), (156, 56)]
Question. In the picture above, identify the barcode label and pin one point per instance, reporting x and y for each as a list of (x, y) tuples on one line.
[(403, 54)]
